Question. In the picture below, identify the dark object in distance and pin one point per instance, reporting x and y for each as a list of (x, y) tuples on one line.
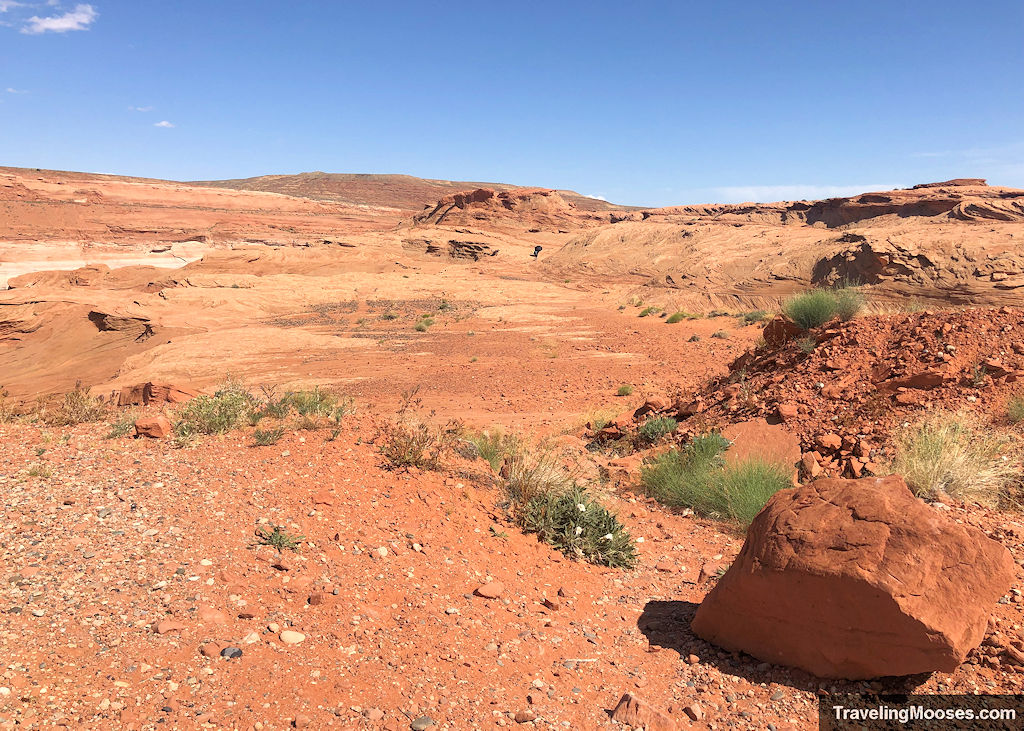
[(536, 250)]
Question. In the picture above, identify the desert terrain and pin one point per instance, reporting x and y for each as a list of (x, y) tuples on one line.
[(142, 588)]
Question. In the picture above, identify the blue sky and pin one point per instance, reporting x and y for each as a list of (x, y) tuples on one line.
[(645, 103)]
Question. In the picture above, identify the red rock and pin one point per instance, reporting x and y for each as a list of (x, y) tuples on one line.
[(830, 442), (317, 598), (757, 439), (525, 717), (856, 579), (788, 412), (323, 498), (780, 331), (694, 711), (490, 590), (810, 464), (924, 380), (212, 649), (154, 427), (168, 625), (209, 615), (634, 712)]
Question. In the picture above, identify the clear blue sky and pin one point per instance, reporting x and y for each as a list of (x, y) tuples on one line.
[(649, 103)]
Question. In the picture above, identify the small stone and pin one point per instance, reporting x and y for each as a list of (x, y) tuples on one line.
[(231, 653), (525, 717), (291, 637), (301, 721), (694, 711), (373, 714), (693, 659), (490, 590), (422, 723), (213, 649), (169, 625), (317, 598)]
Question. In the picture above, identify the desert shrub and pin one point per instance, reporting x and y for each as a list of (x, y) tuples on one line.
[(1015, 409), (411, 441), (276, 409), (720, 334), (849, 302), (494, 446), (624, 390), (810, 309), (954, 453), (695, 338), (533, 473), (267, 437), (679, 317), (648, 311), (279, 538), (580, 527), (77, 407), (445, 305), (421, 327), (389, 316), (311, 403), (122, 426), (806, 344), (653, 430), (746, 486), (749, 318), (697, 477), (227, 409)]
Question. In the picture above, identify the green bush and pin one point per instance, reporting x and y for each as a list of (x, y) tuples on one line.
[(811, 309), (624, 390), (720, 334), (653, 430), (123, 426), (421, 327), (648, 311), (227, 409), (310, 403), (849, 302), (494, 446), (279, 538), (695, 338), (580, 527), (749, 318), (806, 344), (680, 316), (697, 477), (267, 437)]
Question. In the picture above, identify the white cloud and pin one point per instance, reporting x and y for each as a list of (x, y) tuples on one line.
[(772, 193), (596, 197), (6, 5), (12, 90), (140, 109), (78, 19), (165, 124)]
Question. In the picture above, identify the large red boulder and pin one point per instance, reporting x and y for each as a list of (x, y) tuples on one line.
[(780, 330), (856, 579)]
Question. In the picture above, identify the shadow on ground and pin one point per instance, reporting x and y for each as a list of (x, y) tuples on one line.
[(666, 624)]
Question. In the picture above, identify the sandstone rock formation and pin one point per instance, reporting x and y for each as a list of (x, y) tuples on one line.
[(856, 579)]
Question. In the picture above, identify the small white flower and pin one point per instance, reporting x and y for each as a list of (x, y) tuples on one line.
[(579, 529), (582, 508), (606, 537)]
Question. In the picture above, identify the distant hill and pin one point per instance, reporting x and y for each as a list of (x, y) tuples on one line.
[(393, 191)]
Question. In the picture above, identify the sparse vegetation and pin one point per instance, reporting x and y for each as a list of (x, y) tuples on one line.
[(653, 430), (410, 441), (122, 426), (680, 316), (279, 538), (41, 471), (494, 446), (806, 344), (77, 407), (267, 437), (955, 454), (698, 478), (695, 338), (648, 311), (624, 390), (720, 334), (754, 316), (581, 527), (817, 306), (1015, 409), (389, 316), (227, 409)]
